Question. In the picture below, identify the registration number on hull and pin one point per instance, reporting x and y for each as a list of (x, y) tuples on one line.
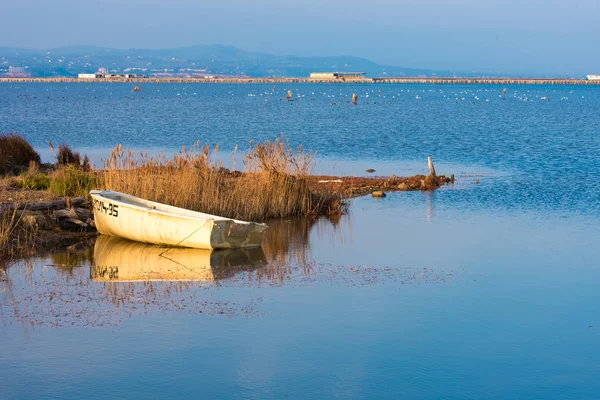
[(107, 208)]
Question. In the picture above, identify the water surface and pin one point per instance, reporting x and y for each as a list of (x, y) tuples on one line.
[(541, 140), (478, 290)]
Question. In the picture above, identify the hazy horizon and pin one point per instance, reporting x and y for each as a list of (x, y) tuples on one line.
[(540, 37)]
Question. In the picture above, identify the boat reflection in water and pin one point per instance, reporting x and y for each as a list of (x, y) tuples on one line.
[(121, 260), (286, 248)]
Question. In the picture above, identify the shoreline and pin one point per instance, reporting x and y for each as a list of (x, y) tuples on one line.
[(407, 80), (61, 222)]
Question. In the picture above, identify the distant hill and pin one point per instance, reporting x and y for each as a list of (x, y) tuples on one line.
[(190, 61)]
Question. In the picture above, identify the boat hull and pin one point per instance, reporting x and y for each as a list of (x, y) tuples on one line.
[(129, 217)]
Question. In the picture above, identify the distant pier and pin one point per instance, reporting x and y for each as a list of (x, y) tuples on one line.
[(407, 80)]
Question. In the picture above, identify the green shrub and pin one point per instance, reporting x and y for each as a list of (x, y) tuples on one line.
[(31, 181), (15, 152), (72, 181)]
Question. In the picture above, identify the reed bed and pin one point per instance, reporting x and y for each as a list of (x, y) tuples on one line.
[(272, 183)]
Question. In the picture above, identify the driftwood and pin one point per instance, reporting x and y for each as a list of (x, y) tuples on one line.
[(45, 205), (65, 213), (74, 225), (331, 181)]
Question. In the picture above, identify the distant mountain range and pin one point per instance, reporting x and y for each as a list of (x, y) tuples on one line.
[(215, 60)]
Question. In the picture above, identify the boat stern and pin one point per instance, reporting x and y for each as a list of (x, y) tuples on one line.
[(228, 234)]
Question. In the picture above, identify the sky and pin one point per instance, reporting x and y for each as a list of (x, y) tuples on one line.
[(503, 36)]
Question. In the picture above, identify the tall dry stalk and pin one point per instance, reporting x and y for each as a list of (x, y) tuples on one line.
[(8, 224), (15, 240)]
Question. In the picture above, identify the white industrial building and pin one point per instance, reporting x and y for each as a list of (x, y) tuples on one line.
[(89, 76), (342, 76), (99, 75)]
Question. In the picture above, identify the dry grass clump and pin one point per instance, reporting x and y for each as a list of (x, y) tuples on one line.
[(8, 224), (65, 156), (15, 240), (15, 152), (33, 178), (272, 184), (73, 176)]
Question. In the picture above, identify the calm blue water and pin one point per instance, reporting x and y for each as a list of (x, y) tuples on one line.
[(475, 291), (545, 152)]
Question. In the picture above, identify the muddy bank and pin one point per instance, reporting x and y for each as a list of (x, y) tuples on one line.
[(353, 186)]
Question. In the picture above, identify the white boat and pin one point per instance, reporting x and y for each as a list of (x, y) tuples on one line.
[(129, 217), (121, 260), (593, 77)]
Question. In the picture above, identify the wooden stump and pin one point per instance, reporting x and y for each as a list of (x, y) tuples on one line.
[(431, 168)]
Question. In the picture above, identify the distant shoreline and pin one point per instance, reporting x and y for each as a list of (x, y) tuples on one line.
[(428, 80)]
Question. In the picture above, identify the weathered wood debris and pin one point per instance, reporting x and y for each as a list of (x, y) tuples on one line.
[(65, 214)]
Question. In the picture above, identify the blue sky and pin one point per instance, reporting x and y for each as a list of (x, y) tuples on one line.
[(512, 36)]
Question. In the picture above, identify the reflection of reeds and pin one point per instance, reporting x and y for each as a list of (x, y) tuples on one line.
[(72, 258), (287, 241), (287, 246)]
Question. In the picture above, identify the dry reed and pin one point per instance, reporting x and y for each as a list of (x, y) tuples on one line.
[(15, 240), (272, 184), (66, 156)]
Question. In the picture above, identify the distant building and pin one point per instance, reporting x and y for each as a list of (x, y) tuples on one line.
[(16, 70), (98, 75), (593, 77), (103, 71), (89, 76), (342, 76)]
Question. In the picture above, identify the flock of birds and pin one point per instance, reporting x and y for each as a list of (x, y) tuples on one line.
[(335, 95)]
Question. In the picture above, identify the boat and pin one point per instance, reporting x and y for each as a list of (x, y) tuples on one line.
[(122, 260), (140, 220), (593, 77)]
